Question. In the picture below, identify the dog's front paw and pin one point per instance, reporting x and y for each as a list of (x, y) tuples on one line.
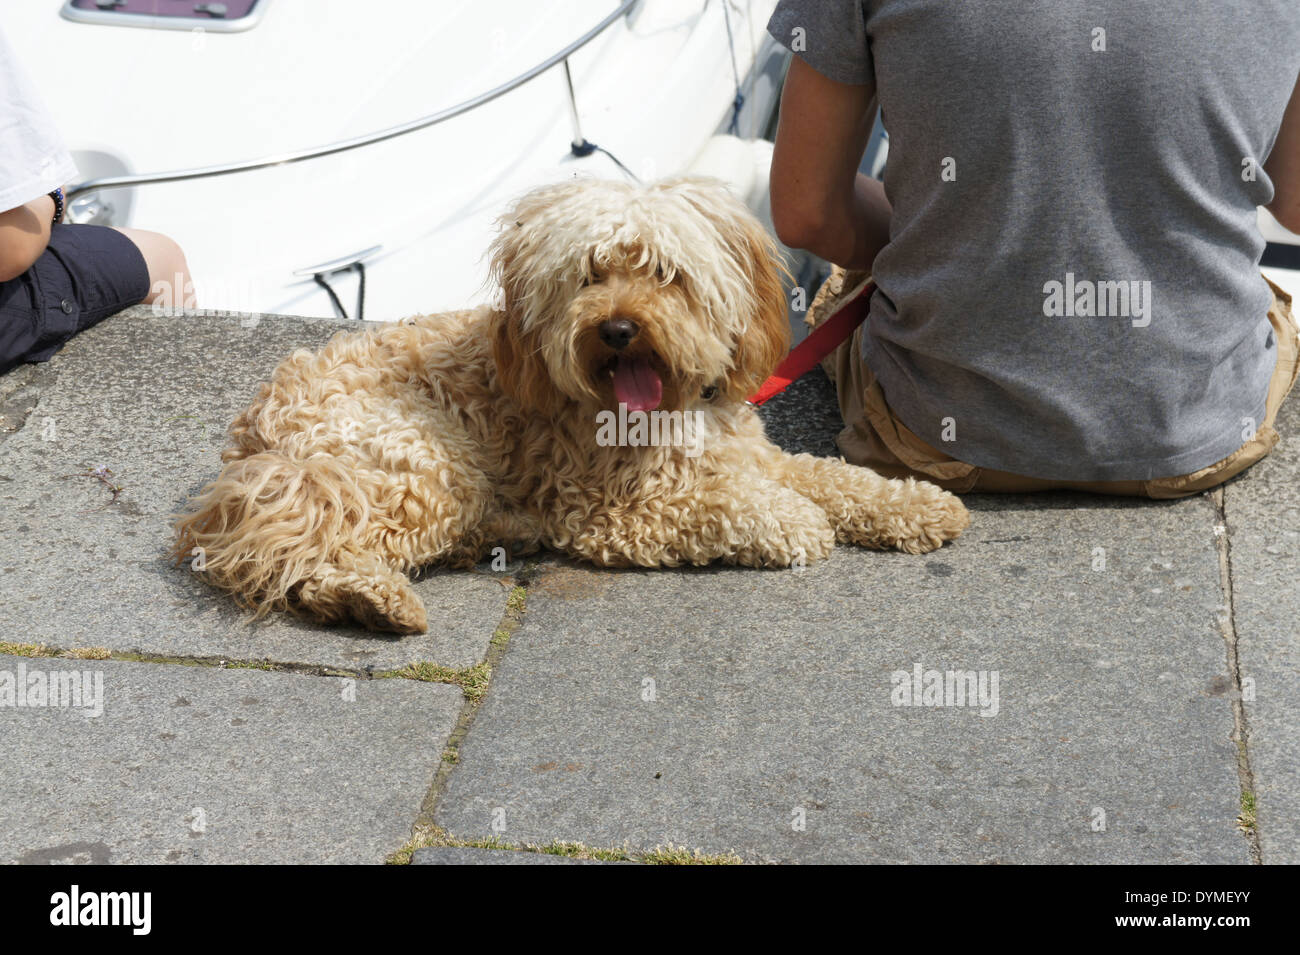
[(911, 516), (797, 533), (941, 517), (389, 609), (375, 596)]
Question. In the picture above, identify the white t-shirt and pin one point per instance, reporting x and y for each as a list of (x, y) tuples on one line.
[(33, 159)]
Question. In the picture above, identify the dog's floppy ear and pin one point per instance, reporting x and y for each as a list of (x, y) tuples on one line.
[(520, 367), (762, 329), (520, 370), (766, 337)]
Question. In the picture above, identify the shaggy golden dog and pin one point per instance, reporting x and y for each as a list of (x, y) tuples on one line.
[(438, 438)]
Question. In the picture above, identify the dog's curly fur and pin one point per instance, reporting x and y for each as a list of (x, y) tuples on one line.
[(437, 438)]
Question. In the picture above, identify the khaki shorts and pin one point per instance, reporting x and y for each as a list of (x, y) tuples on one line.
[(875, 438)]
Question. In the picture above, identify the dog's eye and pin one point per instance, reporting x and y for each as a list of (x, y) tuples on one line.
[(591, 278)]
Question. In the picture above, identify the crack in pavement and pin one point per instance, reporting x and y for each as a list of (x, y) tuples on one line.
[(1228, 630)]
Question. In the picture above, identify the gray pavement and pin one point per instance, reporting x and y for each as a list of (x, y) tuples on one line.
[(753, 712), (1263, 533), (149, 398), (200, 764), (712, 711)]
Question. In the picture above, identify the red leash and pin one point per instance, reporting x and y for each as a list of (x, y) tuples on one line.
[(825, 338)]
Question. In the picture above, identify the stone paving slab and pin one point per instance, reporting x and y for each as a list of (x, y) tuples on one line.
[(150, 397), (720, 709), (449, 855), (282, 767), (1263, 511)]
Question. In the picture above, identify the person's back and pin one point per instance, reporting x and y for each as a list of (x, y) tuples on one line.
[(1070, 289)]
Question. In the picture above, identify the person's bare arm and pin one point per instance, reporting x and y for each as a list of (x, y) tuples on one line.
[(1283, 167), (24, 233), (819, 200)]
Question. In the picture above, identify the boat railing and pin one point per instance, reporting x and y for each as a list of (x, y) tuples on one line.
[(392, 132)]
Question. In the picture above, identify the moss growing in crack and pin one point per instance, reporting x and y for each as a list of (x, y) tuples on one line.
[(473, 681), (41, 650), (151, 658), (1246, 821), (680, 855), (515, 606), (434, 837), (576, 850), (25, 649)]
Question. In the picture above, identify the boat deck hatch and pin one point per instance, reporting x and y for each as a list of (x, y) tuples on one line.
[(227, 16)]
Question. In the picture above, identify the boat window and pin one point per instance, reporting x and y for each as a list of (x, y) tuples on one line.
[(225, 16)]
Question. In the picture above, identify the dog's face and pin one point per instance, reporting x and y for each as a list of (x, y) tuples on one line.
[(654, 296)]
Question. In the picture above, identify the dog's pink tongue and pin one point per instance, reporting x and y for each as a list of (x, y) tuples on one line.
[(637, 384)]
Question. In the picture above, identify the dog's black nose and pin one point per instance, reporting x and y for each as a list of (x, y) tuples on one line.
[(618, 333)]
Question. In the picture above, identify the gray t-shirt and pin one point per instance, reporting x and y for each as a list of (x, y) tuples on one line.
[(1071, 287)]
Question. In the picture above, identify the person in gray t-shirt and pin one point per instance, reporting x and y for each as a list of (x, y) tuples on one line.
[(1065, 245)]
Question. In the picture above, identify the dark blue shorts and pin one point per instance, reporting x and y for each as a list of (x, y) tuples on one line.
[(85, 274)]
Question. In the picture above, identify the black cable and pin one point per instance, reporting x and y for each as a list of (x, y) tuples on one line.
[(361, 291), (739, 102), (587, 147), (320, 280)]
